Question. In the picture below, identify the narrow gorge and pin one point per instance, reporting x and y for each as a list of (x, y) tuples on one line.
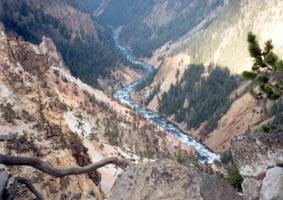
[(141, 99), (124, 96)]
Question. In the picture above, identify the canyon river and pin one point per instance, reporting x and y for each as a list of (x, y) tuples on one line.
[(123, 95)]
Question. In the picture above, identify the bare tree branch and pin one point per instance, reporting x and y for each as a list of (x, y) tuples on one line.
[(13, 189), (58, 172), (3, 182), (48, 169), (8, 137)]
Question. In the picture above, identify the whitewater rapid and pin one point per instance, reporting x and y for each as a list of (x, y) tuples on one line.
[(124, 96)]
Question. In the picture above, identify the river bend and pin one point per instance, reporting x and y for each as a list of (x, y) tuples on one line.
[(123, 95)]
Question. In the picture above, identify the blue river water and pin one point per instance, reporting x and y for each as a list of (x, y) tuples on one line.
[(124, 96)]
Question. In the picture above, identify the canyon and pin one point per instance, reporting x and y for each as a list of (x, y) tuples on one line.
[(167, 96)]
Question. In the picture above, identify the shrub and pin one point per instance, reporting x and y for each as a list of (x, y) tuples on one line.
[(234, 178), (9, 113)]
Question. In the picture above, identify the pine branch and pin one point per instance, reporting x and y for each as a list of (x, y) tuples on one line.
[(267, 68)]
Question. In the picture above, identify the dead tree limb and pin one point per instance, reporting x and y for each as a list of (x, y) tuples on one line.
[(58, 172), (8, 137), (3, 182), (14, 188)]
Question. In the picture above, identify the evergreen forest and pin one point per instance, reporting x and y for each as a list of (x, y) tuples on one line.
[(196, 98)]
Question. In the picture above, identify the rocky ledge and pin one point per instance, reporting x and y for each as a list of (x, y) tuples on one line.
[(167, 179), (259, 158)]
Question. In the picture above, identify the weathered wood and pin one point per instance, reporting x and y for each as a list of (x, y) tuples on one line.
[(3, 182), (58, 172), (8, 137), (14, 187), (48, 169)]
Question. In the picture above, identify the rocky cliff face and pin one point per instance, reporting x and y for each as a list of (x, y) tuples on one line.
[(57, 19), (86, 47), (25, 84), (65, 122)]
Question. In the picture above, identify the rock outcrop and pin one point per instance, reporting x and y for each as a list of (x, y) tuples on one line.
[(251, 187), (167, 179), (48, 47), (254, 153), (272, 184), (259, 158)]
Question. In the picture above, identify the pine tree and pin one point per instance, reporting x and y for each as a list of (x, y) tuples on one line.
[(9, 113), (40, 105), (267, 70)]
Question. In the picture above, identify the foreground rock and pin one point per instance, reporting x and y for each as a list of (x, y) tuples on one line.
[(258, 157), (254, 153), (251, 187), (167, 179), (272, 185)]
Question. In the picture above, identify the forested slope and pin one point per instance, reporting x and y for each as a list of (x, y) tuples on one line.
[(149, 24), (195, 98), (224, 40), (167, 21), (86, 47)]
